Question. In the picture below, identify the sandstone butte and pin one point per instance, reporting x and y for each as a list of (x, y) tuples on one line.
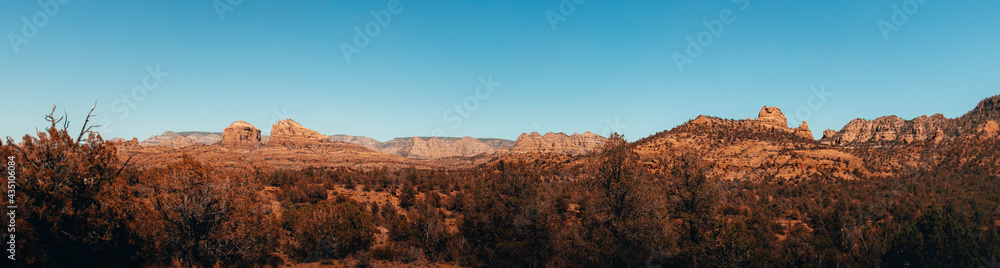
[(290, 133), (558, 143), (750, 149), (241, 134)]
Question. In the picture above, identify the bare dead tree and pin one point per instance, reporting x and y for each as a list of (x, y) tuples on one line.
[(85, 128)]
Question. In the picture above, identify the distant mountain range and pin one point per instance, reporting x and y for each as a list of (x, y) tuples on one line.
[(752, 148), (414, 147)]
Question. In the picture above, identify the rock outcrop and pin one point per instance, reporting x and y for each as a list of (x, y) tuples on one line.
[(558, 143), (241, 134), (169, 139), (206, 138), (935, 128), (803, 131), (891, 129), (292, 134), (987, 109), (988, 129), (435, 147), (772, 116), (359, 140), (172, 139), (123, 144), (179, 142), (828, 133), (752, 149)]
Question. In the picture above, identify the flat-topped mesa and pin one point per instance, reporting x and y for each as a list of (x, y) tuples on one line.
[(558, 143), (205, 138), (241, 134), (772, 116), (169, 139), (179, 142), (359, 140), (435, 147), (292, 134)]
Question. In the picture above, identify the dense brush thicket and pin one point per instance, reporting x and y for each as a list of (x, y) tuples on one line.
[(82, 206)]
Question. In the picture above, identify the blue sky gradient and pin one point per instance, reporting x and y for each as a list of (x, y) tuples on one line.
[(609, 66)]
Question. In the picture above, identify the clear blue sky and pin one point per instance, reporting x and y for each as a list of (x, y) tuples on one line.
[(607, 61)]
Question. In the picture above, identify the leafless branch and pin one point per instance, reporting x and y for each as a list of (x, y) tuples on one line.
[(123, 166), (86, 129)]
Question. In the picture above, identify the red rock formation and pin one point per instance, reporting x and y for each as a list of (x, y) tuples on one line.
[(829, 133), (803, 131), (988, 129), (438, 147), (751, 149), (435, 147), (206, 138), (290, 133), (241, 134), (892, 129), (359, 140), (772, 116), (168, 139), (558, 143)]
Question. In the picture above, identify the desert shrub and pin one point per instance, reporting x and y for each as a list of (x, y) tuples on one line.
[(75, 208), (304, 191), (212, 216), (329, 230), (934, 240), (623, 220), (695, 204), (407, 195), (428, 232), (506, 222)]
